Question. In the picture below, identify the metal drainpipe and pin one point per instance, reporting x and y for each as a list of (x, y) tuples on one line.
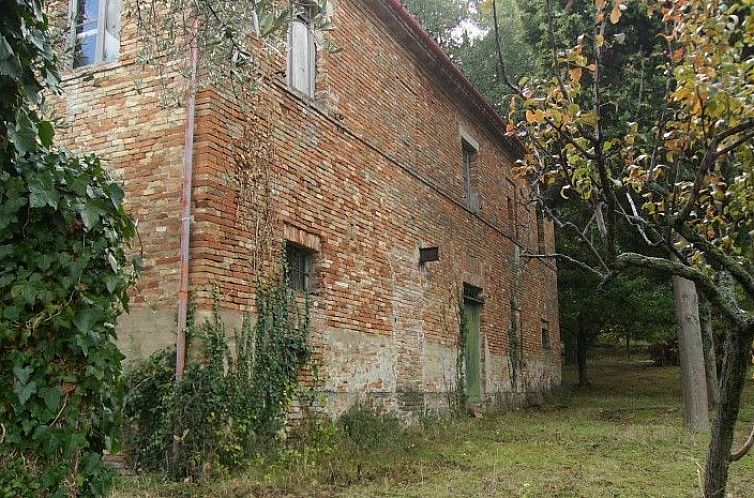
[(188, 172)]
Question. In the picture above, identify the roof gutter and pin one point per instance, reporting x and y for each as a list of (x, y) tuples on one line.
[(454, 73), (185, 232)]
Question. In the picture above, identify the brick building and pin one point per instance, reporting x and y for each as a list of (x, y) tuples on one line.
[(389, 176)]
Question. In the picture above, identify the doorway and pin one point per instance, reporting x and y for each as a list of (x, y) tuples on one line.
[(472, 303)]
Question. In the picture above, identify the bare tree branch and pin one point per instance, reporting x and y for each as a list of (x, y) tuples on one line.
[(567, 259), (743, 450), (717, 257), (705, 284)]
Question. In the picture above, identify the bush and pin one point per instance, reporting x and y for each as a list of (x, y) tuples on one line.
[(366, 429), (64, 278), (229, 405)]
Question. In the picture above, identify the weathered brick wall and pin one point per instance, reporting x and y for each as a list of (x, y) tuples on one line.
[(114, 109), (370, 171)]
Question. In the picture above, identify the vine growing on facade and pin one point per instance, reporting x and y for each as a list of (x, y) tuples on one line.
[(232, 401)]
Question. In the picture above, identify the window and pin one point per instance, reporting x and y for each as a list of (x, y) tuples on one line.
[(470, 176), (513, 208), (541, 232), (546, 335), (302, 63), (299, 263), (96, 31)]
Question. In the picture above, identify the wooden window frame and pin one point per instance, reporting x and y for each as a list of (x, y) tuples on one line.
[(541, 243), (513, 208), (101, 29), (470, 159), (305, 256), (305, 17)]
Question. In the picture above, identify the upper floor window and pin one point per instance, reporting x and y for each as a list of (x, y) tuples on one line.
[(513, 208), (471, 176), (546, 341), (541, 232), (302, 63), (96, 31)]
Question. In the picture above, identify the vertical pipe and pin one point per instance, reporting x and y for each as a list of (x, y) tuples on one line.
[(188, 167)]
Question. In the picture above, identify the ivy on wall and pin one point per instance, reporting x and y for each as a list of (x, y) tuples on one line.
[(231, 403), (64, 276)]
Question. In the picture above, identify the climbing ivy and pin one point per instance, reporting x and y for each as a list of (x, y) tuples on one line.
[(515, 347), (231, 403), (64, 277), (459, 398)]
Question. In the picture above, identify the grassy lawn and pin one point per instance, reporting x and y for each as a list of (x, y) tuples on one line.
[(622, 437)]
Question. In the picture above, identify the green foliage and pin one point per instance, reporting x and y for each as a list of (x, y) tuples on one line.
[(64, 277), (366, 430), (459, 397), (606, 440), (230, 404), (440, 17)]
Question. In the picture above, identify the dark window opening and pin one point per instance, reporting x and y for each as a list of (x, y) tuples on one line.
[(513, 208), (472, 294), (299, 264), (541, 232), (546, 345)]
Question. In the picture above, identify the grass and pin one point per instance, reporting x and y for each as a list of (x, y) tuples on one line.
[(623, 436)]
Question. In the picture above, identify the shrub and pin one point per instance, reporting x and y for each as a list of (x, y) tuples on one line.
[(229, 405)]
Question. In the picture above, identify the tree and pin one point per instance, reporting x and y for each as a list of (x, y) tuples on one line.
[(635, 305), (64, 276), (681, 180), (440, 17)]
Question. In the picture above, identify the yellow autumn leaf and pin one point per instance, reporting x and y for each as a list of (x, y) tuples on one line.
[(615, 14), (599, 40), (575, 74), (599, 4)]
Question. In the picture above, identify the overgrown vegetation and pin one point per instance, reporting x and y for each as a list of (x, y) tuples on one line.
[(458, 397), (231, 402), (64, 277), (623, 436)]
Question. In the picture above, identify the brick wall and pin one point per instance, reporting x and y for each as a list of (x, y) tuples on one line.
[(368, 172)]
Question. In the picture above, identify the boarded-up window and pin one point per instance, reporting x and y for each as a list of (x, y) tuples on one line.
[(302, 53), (471, 176), (96, 31), (541, 232), (512, 208)]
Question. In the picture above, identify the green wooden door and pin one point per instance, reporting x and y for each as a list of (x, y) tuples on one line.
[(473, 353)]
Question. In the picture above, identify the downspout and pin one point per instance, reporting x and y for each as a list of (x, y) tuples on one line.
[(185, 234)]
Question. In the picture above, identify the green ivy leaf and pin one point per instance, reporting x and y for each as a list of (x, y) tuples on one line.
[(90, 215), (52, 396), (46, 133), (22, 374), (24, 391), (43, 193), (23, 136)]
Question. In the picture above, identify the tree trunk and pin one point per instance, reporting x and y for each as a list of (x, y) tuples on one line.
[(710, 355), (582, 349), (693, 374), (735, 363)]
